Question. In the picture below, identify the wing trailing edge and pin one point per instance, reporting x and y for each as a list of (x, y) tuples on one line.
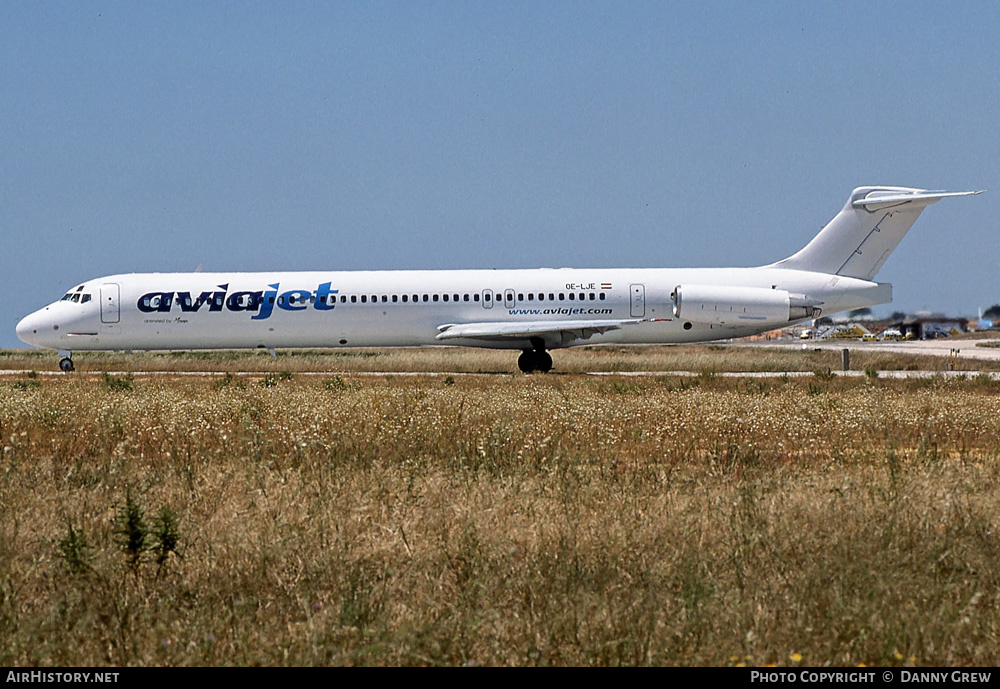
[(555, 333)]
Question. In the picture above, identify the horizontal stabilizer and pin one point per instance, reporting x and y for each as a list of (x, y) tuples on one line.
[(885, 199)]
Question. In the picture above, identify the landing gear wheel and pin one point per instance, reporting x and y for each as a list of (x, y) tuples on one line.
[(532, 360), (543, 361), (66, 364), (526, 362)]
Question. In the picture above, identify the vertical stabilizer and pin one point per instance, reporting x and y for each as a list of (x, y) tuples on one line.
[(862, 235)]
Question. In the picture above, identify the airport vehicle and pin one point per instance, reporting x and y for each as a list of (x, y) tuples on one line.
[(533, 311)]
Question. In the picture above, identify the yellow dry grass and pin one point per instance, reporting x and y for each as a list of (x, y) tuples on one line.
[(502, 520), (655, 358)]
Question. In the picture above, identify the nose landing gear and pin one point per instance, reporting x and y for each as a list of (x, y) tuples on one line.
[(66, 363)]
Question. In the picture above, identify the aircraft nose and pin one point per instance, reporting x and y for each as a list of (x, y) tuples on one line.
[(24, 329), (29, 328)]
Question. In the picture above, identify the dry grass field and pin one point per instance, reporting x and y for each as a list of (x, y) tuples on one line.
[(698, 358), (497, 520)]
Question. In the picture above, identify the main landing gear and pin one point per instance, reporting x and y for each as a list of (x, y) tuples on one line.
[(536, 359)]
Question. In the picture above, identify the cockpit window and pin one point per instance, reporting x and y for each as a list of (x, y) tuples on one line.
[(77, 296)]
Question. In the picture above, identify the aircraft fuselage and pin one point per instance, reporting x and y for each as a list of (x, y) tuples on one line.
[(405, 308)]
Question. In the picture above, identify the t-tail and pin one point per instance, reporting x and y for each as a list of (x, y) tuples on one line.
[(862, 235)]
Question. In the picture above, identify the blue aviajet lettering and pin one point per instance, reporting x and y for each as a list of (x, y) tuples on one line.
[(261, 303)]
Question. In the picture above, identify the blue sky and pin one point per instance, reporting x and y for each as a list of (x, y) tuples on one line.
[(140, 136)]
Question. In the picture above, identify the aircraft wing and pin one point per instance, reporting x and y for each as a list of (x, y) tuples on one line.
[(559, 333)]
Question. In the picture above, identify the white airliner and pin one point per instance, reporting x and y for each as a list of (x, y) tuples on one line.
[(528, 310)]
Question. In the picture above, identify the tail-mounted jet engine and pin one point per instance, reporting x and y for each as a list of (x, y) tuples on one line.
[(733, 306)]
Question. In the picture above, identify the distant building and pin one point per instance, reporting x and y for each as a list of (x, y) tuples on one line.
[(929, 327)]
